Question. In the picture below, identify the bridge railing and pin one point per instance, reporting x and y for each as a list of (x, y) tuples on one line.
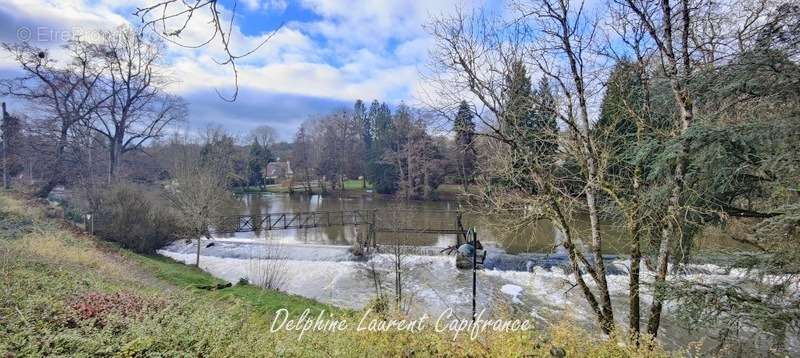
[(400, 220), (294, 220)]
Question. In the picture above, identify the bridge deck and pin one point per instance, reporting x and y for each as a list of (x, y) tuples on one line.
[(379, 221)]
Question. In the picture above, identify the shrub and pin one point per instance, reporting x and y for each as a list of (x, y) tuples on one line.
[(12, 226), (98, 306), (268, 267), (136, 219)]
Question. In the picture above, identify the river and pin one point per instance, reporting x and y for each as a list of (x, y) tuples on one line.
[(524, 276)]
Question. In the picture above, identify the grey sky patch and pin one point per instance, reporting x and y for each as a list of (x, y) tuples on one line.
[(253, 108)]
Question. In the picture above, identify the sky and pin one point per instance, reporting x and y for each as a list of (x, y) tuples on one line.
[(323, 56)]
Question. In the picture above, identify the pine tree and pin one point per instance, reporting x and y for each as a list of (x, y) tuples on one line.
[(384, 175), (464, 128), (519, 102), (259, 157), (530, 114), (517, 122), (363, 121), (543, 125), (622, 103)]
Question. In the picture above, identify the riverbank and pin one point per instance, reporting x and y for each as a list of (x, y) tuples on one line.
[(352, 188), (67, 293)]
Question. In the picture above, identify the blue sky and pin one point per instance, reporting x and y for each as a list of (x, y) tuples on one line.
[(326, 54)]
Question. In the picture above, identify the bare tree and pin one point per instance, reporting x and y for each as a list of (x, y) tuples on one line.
[(138, 109), (199, 192), (302, 156), (268, 267), (567, 37), (477, 54), (66, 94), (265, 135), (671, 32)]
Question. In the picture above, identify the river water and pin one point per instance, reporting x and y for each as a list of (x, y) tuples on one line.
[(524, 276)]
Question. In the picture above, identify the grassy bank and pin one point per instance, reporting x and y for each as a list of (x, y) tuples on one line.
[(66, 293), (352, 187)]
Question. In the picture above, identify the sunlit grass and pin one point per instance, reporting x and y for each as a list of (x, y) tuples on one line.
[(266, 301), (355, 184)]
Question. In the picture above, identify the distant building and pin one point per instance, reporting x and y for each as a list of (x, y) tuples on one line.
[(277, 171)]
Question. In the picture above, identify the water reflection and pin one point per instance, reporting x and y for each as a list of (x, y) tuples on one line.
[(541, 237)]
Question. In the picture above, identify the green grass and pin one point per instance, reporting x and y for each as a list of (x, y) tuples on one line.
[(252, 189), (265, 301), (355, 185)]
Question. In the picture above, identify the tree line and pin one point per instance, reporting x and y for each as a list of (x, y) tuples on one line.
[(393, 151)]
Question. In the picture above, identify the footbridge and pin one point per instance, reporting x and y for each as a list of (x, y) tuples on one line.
[(375, 221)]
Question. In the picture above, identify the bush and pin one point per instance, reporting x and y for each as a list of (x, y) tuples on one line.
[(136, 219), (97, 307)]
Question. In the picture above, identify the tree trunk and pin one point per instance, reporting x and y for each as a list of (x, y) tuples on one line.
[(57, 175), (115, 156), (6, 184), (674, 222), (583, 135), (634, 305), (602, 285), (560, 221), (667, 233), (634, 224)]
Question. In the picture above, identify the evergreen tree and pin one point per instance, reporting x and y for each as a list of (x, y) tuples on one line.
[(519, 102), (543, 125), (384, 175), (372, 152), (259, 157), (530, 114), (517, 125), (464, 128), (364, 123), (622, 103)]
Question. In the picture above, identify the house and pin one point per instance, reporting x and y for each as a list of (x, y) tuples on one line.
[(278, 171)]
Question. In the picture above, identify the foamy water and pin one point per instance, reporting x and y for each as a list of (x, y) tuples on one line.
[(541, 290)]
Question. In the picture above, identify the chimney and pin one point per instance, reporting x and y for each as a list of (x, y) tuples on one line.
[(4, 110)]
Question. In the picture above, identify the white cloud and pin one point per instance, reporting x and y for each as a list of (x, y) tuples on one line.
[(356, 49), (277, 6)]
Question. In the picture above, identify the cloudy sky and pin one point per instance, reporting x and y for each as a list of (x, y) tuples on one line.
[(325, 54)]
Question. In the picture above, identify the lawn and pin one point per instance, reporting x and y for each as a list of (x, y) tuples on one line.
[(355, 184)]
